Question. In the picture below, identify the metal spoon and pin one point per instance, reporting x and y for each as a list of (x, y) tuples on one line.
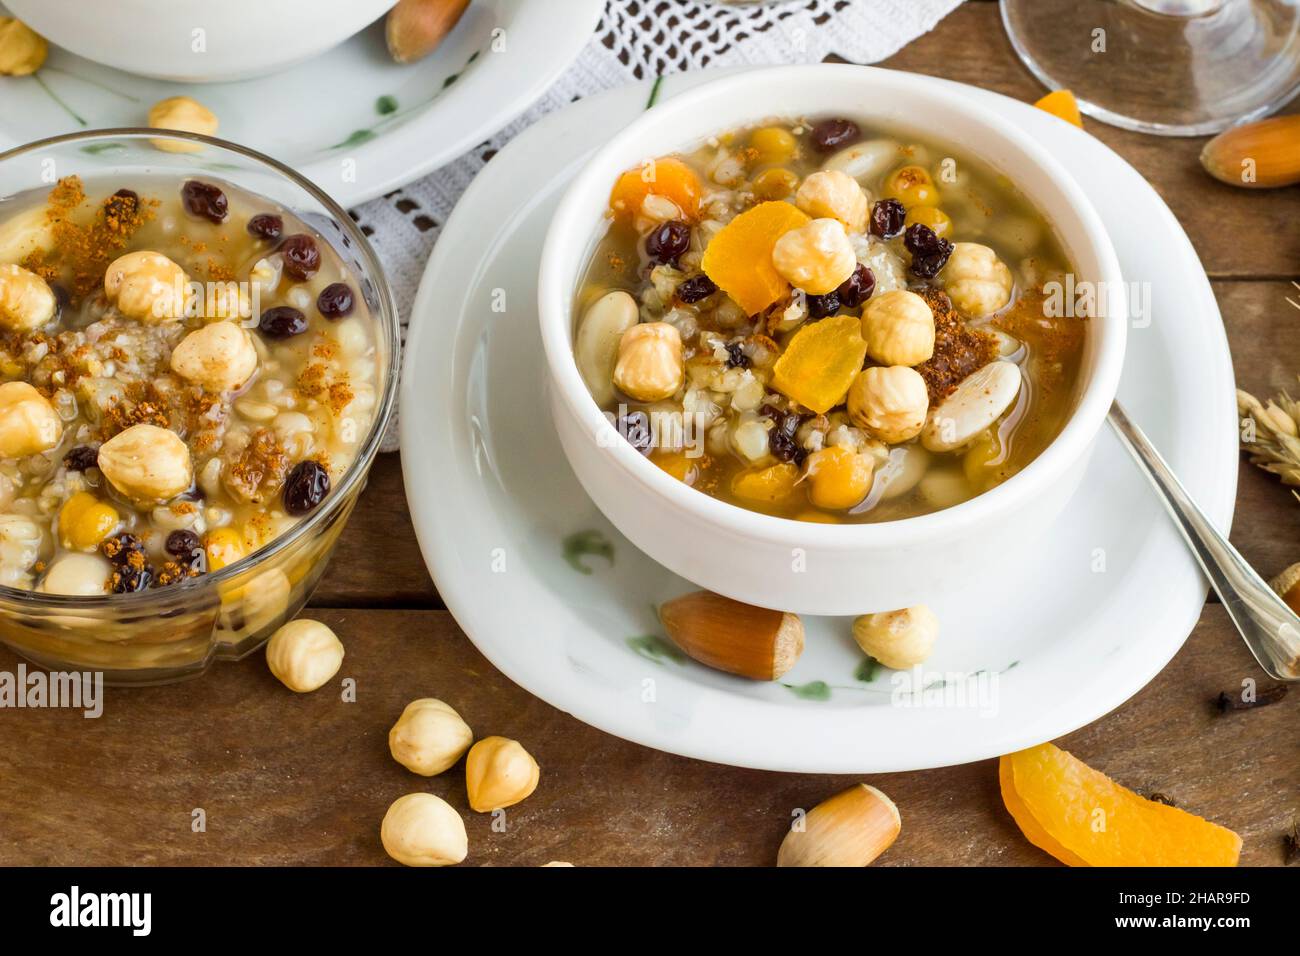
[(1270, 629)]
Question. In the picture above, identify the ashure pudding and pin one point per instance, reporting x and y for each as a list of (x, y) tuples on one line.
[(823, 322), (187, 371)]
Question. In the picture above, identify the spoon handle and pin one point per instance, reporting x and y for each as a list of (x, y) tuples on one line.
[(1270, 629)]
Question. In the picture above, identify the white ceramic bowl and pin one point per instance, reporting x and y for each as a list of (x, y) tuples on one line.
[(198, 41), (798, 566)]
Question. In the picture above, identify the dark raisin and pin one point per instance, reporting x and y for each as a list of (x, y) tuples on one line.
[(266, 226), (780, 440), (183, 544), (122, 205), (335, 300), (205, 200), (831, 134), (301, 257), (306, 487), (887, 218), (857, 288), (128, 578), (282, 322), (696, 288), (820, 306), (81, 458), (120, 547), (635, 429), (929, 252), (668, 242), (736, 357)]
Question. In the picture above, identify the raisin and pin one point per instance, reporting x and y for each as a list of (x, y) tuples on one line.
[(929, 252), (122, 205), (820, 306), (635, 429), (119, 548), (282, 322), (696, 288), (128, 579), (301, 256), (205, 200), (736, 357), (81, 458), (887, 218), (184, 545), (829, 135), (306, 487), (335, 300), (668, 242), (781, 439), (266, 226), (857, 288)]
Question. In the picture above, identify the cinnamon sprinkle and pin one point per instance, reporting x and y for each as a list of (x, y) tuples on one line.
[(958, 350)]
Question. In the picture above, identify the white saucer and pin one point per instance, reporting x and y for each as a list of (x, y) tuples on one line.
[(351, 120), (1041, 646)]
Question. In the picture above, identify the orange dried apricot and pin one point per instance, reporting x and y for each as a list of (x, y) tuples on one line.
[(1062, 104), (1083, 818), (766, 485), (739, 258), (820, 362), (681, 466), (667, 177)]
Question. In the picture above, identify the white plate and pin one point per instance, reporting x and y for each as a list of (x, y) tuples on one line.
[(351, 120), (1048, 642)]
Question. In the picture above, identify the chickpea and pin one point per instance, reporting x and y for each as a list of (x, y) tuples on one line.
[(221, 357), (146, 286), (420, 829), (817, 257), (499, 772), (838, 477), (833, 194), (899, 328), (184, 114), (898, 639), (774, 144), (775, 183), (912, 186), (650, 365), (26, 302), (22, 49), (938, 220), (29, 424), (85, 521), (889, 403), (429, 737), (977, 281), (147, 464), (223, 547), (304, 655), (83, 575)]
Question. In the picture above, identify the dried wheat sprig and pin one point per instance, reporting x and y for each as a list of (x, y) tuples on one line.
[(1271, 434)]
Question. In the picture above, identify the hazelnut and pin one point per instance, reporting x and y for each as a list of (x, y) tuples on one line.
[(899, 328), (84, 575), (976, 280), (833, 194), (20, 545), (429, 737), (420, 829), (186, 115), (889, 403), (838, 477), (147, 464), (850, 829), (29, 424), (146, 286), (557, 863), (898, 639), (499, 772), (221, 357), (415, 27), (650, 366), (22, 49), (304, 655), (817, 257), (26, 302)]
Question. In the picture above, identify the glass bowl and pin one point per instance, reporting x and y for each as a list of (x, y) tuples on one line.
[(167, 634)]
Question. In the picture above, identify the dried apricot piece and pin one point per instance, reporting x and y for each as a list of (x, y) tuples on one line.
[(1034, 833), (739, 258), (680, 465), (766, 485), (667, 177), (1083, 817), (820, 362), (1062, 104)]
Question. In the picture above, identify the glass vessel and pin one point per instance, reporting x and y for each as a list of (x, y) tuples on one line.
[(165, 634)]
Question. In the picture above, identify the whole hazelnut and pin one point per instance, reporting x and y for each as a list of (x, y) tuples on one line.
[(429, 737), (304, 655), (816, 258), (420, 829), (889, 402), (146, 286), (22, 49), (26, 301), (184, 114), (29, 424), (898, 639), (650, 366), (221, 357), (499, 772), (147, 464), (899, 328), (976, 280)]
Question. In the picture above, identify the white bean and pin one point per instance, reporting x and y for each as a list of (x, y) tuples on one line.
[(977, 403), (866, 161), (596, 346)]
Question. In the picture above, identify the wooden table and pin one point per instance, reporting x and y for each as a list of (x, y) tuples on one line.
[(285, 779)]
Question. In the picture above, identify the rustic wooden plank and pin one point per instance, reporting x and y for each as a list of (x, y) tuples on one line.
[(285, 778), (1238, 232)]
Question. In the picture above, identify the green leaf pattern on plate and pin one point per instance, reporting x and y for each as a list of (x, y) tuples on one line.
[(589, 542)]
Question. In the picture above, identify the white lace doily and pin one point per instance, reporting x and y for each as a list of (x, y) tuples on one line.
[(637, 40)]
